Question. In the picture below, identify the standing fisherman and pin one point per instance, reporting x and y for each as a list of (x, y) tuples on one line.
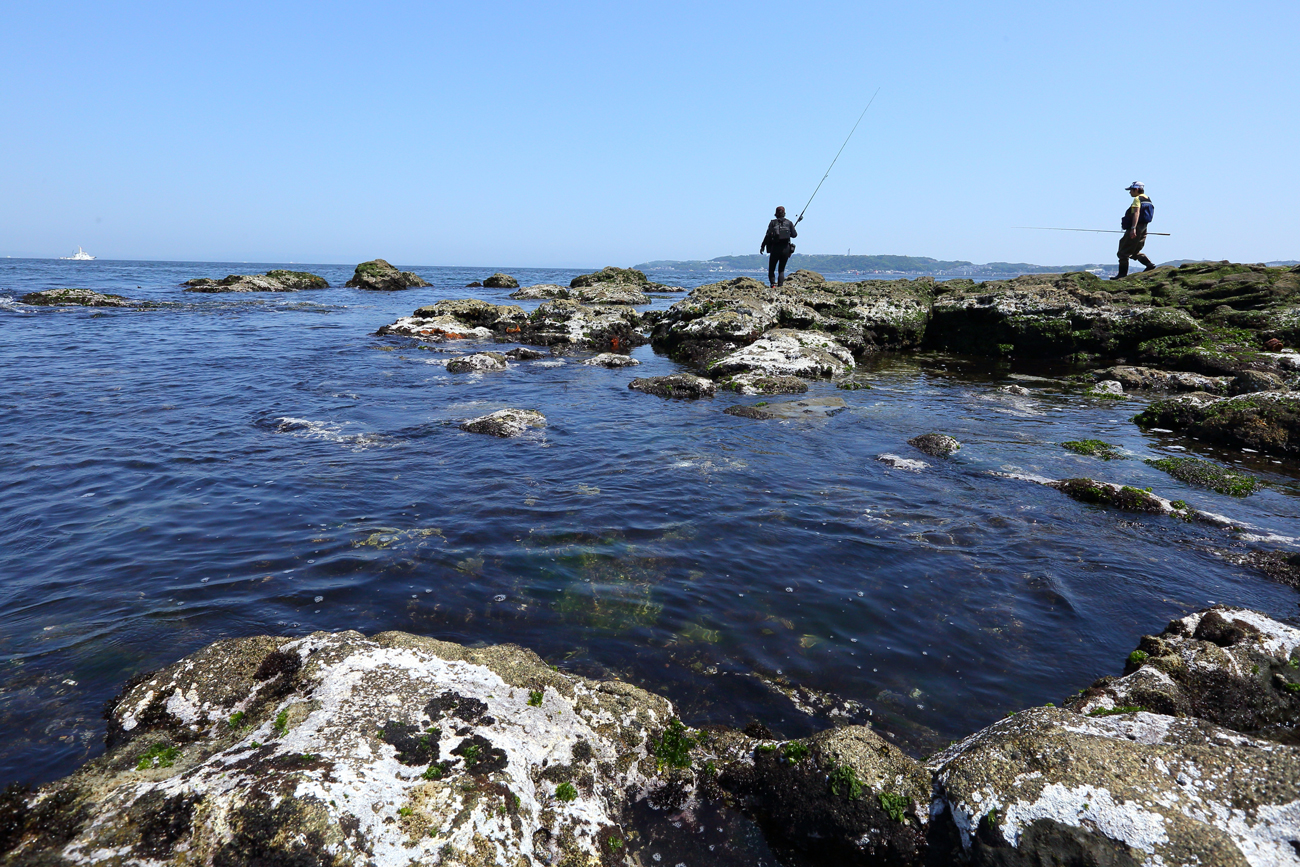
[(778, 247), (1134, 223)]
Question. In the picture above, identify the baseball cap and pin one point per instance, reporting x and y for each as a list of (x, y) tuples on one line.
[(1136, 185)]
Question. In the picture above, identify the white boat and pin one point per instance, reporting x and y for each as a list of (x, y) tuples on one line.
[(80, 256)]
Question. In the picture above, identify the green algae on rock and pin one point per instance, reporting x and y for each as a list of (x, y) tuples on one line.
[(273, 281), (77, 298), (678, 385), (1123, 497), (1195, 471), (501, 281), (1094, 449), (610, 274), (1268, 422), (379, 276)]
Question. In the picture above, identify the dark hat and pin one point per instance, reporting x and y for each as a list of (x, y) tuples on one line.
[(780, 211)]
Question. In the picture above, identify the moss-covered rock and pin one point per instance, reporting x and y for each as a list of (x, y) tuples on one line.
[(500, 281), (572, 323), (272, 281), (1094, 449), (1123, 497), (77, 298), (759, 383), (610, 274), (935, 444), (379, 276), (1195, 471), (1268, 422), (679, 385)]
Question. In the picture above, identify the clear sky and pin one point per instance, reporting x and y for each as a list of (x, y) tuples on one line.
[(583, 134)]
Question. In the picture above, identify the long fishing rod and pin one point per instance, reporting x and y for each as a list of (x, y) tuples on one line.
[(837, 156), (1108, 231)]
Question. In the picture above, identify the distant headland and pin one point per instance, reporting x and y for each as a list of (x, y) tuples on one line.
[(887, 264)]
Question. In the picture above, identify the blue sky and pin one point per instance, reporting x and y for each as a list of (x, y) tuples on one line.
[(583, 134)]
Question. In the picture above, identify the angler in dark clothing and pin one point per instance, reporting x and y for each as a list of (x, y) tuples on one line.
[(777, 245), (1134, 223)]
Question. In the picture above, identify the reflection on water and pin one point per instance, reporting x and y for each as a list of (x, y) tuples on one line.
[(233, 465)]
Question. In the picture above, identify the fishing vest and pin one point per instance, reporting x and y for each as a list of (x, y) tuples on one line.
[(1146, 212)]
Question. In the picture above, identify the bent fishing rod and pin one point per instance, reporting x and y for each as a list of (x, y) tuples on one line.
[(837, 156), (1107, 231)]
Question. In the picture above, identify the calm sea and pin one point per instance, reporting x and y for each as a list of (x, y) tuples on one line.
[(243, 464)]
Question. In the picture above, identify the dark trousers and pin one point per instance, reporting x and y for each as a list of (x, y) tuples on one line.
[(774, 259)]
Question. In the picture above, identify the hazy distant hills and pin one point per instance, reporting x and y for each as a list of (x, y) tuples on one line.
[(883, 265)]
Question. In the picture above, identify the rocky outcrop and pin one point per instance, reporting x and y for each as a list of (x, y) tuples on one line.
[(935, 444), (720, 318), (760, 383), (570, 322), (1046, 315), (459, 319), (339, 749), (506, 423), (611, 275), (379, 276), (1229, 666), (1268, 422), (1151, 379), (477, 362), (611, 293), (680, 385), (543, 291), (500, 281), (271, 281), (611, 359), (77, 298), (786, 352)]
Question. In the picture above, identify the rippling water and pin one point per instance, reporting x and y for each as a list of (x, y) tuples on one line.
[(244, 464)]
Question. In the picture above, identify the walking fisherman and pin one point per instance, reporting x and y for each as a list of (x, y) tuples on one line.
[(778, 247), (1134, 223)]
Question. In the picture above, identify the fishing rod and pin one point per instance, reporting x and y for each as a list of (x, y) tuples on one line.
[(1108, 231), (837, 156)]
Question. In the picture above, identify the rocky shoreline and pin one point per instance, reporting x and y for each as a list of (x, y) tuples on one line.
[(339, 749)]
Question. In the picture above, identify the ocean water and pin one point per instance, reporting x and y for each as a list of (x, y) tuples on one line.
[(242, 464)]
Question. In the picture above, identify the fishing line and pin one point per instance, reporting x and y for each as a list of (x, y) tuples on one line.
[(1107, 231), (837, 156)]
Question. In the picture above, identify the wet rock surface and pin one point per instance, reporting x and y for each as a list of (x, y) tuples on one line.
[(1151, 379), (478, 361), (785, 352), (610, 274), (680, 385), (501, 281), (339, 749), (77, 298), (935, 444), (611, 359), (379, 276), (759, 383), (1268, 421), (543, 291), (506, 423), (271, 281)]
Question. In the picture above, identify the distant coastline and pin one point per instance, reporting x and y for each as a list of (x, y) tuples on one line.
[(887, 265)]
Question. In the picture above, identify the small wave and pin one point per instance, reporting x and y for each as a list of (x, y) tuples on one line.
[(326, 431)]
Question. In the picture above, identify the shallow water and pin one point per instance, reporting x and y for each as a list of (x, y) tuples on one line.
[(240, 464)]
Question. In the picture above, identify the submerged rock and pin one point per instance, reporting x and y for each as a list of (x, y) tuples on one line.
[(77, 298), (523, 353), (478, 361), (379, 276), (812, 408), (1123, 497), (1015, 389), (1198, 472), (785, 352), (505, 422), (611, 359), (271, 281), (682, 385), (935, 444), (1268, 422), (500, 281), (902, 463)]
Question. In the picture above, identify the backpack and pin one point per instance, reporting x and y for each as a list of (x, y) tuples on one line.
[(780, 232), (1147, 213)]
